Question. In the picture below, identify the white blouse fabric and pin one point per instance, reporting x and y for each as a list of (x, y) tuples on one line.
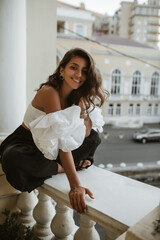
[(97, 119), (63, 129)]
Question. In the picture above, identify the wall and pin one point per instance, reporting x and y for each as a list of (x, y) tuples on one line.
[(41, 42)]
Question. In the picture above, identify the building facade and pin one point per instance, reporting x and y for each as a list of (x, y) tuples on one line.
[(134, 85), (139, 22)]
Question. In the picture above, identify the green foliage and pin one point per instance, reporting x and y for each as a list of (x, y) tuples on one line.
[(11, 229)]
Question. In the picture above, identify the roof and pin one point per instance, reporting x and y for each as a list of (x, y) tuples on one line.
[(61, 3), (115, 40)]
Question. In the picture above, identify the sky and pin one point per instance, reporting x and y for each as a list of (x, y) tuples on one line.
[(100, 6)]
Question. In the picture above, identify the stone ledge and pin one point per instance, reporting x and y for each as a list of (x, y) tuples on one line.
[(143, 229), (119, 201)]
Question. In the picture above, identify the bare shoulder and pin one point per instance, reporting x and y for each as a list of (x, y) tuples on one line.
[(47, 99)]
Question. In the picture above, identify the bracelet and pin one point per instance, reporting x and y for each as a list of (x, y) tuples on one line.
[(85, 115)]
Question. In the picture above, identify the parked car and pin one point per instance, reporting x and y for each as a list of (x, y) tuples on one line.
[(147, 135)]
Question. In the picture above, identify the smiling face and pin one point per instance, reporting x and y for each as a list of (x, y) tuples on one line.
[(74, 73)]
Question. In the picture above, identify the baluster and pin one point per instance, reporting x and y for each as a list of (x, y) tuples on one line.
[(86, 230), (26, 203), (62, 224), (43, 214)]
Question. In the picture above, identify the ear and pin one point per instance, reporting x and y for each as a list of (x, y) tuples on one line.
[(61, 70)]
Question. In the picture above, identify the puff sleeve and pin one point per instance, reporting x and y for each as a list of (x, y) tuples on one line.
[(63, 130), (97, 119)]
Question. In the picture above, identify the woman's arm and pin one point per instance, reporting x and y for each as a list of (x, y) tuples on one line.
[(77, 192)]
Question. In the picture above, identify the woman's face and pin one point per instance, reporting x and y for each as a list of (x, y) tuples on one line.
[(75, 72)]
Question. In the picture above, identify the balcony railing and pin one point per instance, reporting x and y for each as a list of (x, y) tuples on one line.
[(119, 203)]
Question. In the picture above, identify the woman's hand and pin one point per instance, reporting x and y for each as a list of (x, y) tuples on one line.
[(82, 105), (85, 116), (77, 198)]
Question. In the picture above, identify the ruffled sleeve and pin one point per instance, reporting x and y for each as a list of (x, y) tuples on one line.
[(63, 130), (97, 119)]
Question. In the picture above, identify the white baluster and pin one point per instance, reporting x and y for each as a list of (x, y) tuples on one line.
[(62, 224), (86, 230), (43, 214), (26, 203)]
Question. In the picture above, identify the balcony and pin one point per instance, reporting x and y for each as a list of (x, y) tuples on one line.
[(119, 203), (153, 30), (154, 22)]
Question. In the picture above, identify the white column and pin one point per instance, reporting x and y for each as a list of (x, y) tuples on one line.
[(62, 224), (12, 64), (26, 203), (43, 214), (86, 230), (27, 55)]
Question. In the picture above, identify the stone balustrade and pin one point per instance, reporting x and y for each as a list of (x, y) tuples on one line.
[(119, 203)]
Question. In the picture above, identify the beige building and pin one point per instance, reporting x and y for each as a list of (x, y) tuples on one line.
[(139, 22), (134, 85)]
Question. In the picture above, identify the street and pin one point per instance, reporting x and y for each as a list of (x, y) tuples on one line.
[(115, 151)]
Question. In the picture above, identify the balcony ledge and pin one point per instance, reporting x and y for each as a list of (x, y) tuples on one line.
[(119, 203)]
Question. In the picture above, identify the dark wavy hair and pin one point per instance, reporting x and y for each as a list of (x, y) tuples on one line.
[(91, 91)]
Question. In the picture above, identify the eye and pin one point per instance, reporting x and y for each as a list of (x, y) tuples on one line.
[(85, 71), (73, 67)]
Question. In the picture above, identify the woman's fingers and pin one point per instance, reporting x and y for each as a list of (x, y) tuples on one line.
[(77, 198), (89, 193), (75, 201)]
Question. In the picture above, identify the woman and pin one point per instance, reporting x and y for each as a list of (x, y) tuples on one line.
[(59, 131)]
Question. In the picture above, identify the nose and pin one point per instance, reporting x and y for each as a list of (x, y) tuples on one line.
[(78, 73)]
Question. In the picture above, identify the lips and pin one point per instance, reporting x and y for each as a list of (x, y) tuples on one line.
[(77, 81)]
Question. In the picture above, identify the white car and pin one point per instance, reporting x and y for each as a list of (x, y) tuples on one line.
[(147, 135)]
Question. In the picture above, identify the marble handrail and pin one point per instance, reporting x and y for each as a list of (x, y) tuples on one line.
[(119, 201)]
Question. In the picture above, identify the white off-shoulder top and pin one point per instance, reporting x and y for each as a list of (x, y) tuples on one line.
[(63, 129)]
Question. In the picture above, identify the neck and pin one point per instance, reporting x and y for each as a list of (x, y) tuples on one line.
[(65, 91)]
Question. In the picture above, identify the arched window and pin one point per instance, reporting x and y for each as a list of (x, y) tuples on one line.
[(116, 82), (136, 83), (154, 84)]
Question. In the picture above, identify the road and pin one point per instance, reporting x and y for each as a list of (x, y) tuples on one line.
[(115, 150), (116, 153)]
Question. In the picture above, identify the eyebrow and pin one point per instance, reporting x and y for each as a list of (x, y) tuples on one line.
[(78, 65)]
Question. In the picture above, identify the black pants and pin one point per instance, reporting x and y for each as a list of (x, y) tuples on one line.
[(25, 166)]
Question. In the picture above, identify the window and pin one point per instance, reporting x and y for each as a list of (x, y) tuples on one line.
[(131, 110), (138, 110), (154, 84), (156, 109), (118, 110), (110, 110), (149, 111), (136, 82), (80, 29), (60, 26), (116, 82)]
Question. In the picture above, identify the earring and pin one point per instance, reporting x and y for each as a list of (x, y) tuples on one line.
[(61, 77)]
